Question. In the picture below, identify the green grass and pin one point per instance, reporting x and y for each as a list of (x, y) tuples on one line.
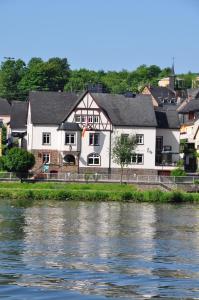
[(29, 192)]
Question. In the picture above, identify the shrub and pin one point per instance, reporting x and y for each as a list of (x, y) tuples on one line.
[(178, 172)]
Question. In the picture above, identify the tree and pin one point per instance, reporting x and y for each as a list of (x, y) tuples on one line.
[(45, 76), (18, 160), (123, 148), (11, 72)]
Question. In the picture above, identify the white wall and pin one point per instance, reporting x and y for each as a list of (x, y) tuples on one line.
[(171, 137), (148, 149), (102, 149)]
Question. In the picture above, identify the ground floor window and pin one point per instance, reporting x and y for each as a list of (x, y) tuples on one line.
[(69, 159), (137, 159), (46, 158), (93, 159)]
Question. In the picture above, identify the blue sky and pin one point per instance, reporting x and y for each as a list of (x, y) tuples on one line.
[(103, 34)]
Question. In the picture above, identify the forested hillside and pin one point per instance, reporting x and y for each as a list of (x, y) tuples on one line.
[(18, 78)]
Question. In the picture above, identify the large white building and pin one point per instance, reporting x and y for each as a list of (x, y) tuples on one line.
[(75, 133)]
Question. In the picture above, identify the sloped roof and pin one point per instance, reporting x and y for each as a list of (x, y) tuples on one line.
[(50, 107), (18, 118), (124, 111), (193, 93), (5, 107), (69, 126), (192, 105), (161, 94), (167, 119)]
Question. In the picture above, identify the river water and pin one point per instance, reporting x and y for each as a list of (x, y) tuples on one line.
[(93, 250)]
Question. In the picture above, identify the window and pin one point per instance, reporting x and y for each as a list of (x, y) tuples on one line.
[(90, 119), (69, 159), (93, 159), (94, 139), (46, 158), (124, 138), (137, 159), (159, 143), (46, 138), (96, 119), (69, 138), (78, 119), (140, 139)]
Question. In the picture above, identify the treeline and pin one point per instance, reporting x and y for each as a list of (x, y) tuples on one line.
[(18, 78)]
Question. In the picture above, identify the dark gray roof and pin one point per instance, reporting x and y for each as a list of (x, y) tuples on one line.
[(69, 126), (5, 107), (18, 118), (167, 119), (163, 95), (193, 93), (192, 105), (50, 107), (123, 111)]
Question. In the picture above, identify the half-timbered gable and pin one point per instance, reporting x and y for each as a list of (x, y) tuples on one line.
[(89, 114)]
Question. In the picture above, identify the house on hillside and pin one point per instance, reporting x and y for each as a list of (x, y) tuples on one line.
[(68, 132), (160, 95)]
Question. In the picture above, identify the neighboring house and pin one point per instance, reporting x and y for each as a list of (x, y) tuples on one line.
[(18, 123), (189, 119), (75, 133), (161, 96), (5, 109)]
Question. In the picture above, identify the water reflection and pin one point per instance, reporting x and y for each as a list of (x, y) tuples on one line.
[(126, 250)]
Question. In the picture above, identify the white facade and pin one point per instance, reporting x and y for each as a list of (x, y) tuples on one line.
[(93, 147)]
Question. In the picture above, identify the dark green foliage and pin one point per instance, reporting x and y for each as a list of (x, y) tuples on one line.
[(18, 160), (178, 172)]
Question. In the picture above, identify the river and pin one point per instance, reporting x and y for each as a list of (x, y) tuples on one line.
[(99, 250)]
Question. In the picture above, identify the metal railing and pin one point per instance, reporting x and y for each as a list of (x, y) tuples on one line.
[(95, 177)]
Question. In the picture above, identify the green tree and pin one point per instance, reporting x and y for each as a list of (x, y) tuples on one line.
[(18, 160), (11, 73), (45, 76), (123, 148)]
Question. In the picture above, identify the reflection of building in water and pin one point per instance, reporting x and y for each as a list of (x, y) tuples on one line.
[(99, 240), (43, 234)]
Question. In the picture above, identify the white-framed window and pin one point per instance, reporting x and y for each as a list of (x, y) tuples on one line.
[(140, 139), (90, 119), (46, 158), (93, 159), (96, 119), (46, 138), (137, 159), (83, 119), (94, 139), (69, 138)]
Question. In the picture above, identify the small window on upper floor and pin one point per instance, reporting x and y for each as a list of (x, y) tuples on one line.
[(69, 138), (140, 139), (46, 138)]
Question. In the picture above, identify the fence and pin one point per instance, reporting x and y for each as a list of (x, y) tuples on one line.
[(74, 177)]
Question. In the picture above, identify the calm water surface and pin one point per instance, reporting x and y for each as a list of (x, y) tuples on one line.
[(75, 250)]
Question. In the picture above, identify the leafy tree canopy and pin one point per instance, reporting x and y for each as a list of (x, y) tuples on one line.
[(18, 160)]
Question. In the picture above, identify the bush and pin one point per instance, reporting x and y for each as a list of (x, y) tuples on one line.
[(178, 172), (18, 160)]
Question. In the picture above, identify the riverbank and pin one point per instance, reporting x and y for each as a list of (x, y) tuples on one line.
[(90, 192)]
